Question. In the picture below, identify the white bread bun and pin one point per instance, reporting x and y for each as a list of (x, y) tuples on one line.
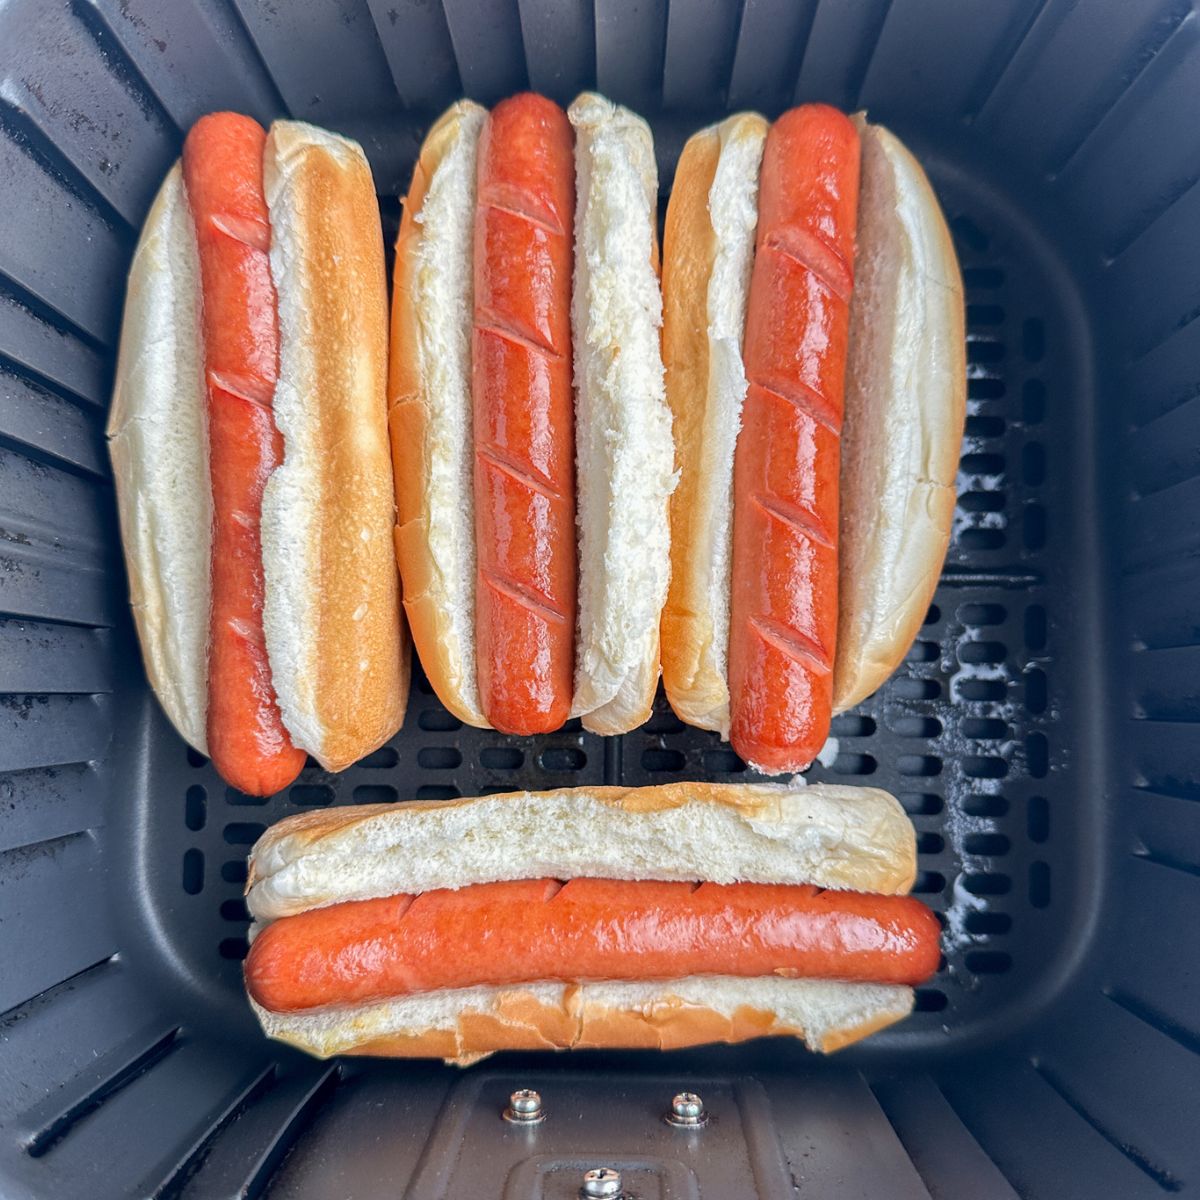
[(708, 253), (465, 1025), (836, 837), (331, 611), (905, 403), (158, 439), (624, 448), (430, 407)]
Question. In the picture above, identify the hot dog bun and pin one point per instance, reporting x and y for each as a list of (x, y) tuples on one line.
[(836, 837), (466, 1025), (624, 447), (905, 407), (708, 250), (332, 623), (430, 414), (158, 439)]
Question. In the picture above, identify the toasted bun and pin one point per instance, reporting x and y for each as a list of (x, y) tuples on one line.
[(331, 612), (466, 1025), (708, 252), (430, 407), (906, 387), (625, 454), (158, 431), (837, 837)]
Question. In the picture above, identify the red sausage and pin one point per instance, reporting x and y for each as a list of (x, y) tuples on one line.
[(783, 622), (223, 172), (506, 933), (523, 406)]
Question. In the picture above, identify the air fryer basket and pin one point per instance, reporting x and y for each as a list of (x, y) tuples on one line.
[(1042, 732)]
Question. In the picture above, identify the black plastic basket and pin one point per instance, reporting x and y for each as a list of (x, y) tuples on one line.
[(1042, 733)]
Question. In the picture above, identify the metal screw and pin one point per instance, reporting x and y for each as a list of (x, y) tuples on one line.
[(687, 1111), (601, 1181), (525, 1108)]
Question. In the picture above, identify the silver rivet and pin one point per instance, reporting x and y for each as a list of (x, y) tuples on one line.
[(525, 1108), (687, 1111), (601, 1181)]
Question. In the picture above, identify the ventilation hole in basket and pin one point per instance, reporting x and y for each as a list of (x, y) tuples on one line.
[(437, 791), (987, 962), (663, 720), (1033, 527), (984, 766), (1037, 755), (985, 350), (375, 793), (983, 464), (985, 729), (195, 758), (982, 539), (980, 689), (1035, 627), (501, 758), (1035, 690), (926, 765), (244, 799), (1039, 884), (922, 652), (1037, 819), (1033, 401), (968, 234), (976, 653), (933, 615), (1033, 464), (983, 805), (193, 871), (981, 502), (851, 725), (656, 759), (385, 756), (311, 795), (983, 277), (1033, 340), (984, 427), (571, 758), (917, 727), (985, 387), (921, 804), (723, 762), (234, 910), (235, 871), (929, 883), (916, 689), (234, 948), (855, 764), (987, 923), (930, 843), (438, 720), (982, 614), (439, 758), (574, 725), (195, 808), (498, 789), (986, 884), (985, 314), (929, 1000), (988, 844), (243, 833)]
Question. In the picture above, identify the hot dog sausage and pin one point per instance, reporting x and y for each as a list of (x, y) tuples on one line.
[(515, 932), (783, 623), (523, 417), (223, 173)]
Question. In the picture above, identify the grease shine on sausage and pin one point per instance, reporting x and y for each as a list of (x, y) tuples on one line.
[(523, 417), (597, 929), (783, 625), (223, 174)]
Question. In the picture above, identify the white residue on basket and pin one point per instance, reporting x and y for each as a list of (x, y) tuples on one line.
[(828, 753), (956, 936)]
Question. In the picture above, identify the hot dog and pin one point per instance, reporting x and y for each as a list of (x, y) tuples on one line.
[(249, 445), (523, 417), (387, 931)]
